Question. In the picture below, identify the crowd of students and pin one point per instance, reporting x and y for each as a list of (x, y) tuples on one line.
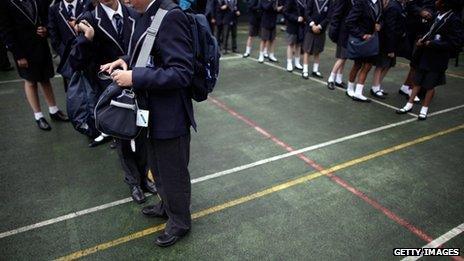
[(425, 32)]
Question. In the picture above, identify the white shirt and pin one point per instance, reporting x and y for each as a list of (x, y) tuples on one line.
[(110, 13), (74, 4), (374, 1)]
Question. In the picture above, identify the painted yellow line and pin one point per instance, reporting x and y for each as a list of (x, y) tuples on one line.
[(285, 185)]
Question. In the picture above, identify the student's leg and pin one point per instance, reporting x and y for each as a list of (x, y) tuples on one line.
[(249, 44), (262, 45), (366, 67), (297, 56), (271, 48), (406, 89), (352, 78), (408, 107), (335, 70), (426, 103), (219, 33), (226, 38), (316, 72), (290, 49), (305, 72), (55, 112), (32, 96), (234, 38)]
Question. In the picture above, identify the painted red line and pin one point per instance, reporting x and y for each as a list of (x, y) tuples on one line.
[(337, 180)]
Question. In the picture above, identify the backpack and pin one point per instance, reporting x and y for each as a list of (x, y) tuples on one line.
[(206, 53), (80, 103)]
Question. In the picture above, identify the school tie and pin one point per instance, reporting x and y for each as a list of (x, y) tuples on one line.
[(70, 11), (118, 19)]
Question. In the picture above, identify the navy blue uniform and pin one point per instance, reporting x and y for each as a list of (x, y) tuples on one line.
[(338, 32)]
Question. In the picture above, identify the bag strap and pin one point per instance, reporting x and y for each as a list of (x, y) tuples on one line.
[(150, 38)]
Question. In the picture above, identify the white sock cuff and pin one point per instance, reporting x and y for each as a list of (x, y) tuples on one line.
[(53, 109), (424, 110)]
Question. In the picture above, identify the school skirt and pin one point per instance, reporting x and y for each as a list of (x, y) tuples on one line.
[(383, 61), (253, 30), (341, 52), (291, 38), (268, 34), (313, 43), (40, 62), (429, 79)]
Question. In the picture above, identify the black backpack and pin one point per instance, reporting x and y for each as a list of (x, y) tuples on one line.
[(206, 54)]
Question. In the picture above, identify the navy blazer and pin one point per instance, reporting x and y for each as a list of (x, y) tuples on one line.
[(292, 10), (254, 11), (319, 14), (337, 30), (230, 16), (59, 29), (394, 27), (415, 24), (361, 19), (269, 14), (18, 29), (165, 82), (446, 37), (104, 48)]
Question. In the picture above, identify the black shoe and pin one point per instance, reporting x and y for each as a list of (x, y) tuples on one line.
[(149, 187), (43, 124), (95, 143), (165, 240), (422, 117), (403, 93), (154, 211), (379, 94), (331, 85), (114, 144), (402, 111), (360, 100), (59, 116), (305, 75), (245, 55), (317, 75), (341, 85), (137, 194), (234, 51)]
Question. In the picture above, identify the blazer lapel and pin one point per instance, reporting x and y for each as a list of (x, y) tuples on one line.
[(33, 20), (106, 26), (80, 8), (129, 28), (64, 16)]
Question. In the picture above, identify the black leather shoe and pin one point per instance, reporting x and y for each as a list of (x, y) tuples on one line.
[(43, 124), (165, 240), (403, 93), (331, 86), (317, 75), (154, 211), (137, 194), (59, 116), (341, 85), (422, 117), (95, 143), (149, 187), (114, 144)]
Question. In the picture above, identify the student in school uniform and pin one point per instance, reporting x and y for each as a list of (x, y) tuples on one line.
[(393, 32), (230, 19), (293, 13), (270, 9), (316, 19), (221, 8), (61, 21), (254, 24), (167, 83), (210, 13), (108, 37), (419, 18), (5, 64), (432, 54), (363, 21), (339, 35), (22, 27)]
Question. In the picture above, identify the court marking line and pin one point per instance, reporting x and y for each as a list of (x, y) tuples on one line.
[(260, 194), (59, 76), (337, 180), (83, 212), (325, 84), (438, 242)]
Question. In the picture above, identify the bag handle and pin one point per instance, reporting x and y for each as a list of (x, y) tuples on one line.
[(150, 38)]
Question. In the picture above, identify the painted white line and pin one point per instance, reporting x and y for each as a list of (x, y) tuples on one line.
[(439, 241), (325, 83), (220, 174), (22, 80)]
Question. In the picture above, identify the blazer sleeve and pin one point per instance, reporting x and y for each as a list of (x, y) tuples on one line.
[(289, 13), (353, 17), (175, 51), (324, 23), (335, 19), (54, 32), (308, 11)]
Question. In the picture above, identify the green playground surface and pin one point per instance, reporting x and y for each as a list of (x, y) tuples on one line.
[(282, 169)]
